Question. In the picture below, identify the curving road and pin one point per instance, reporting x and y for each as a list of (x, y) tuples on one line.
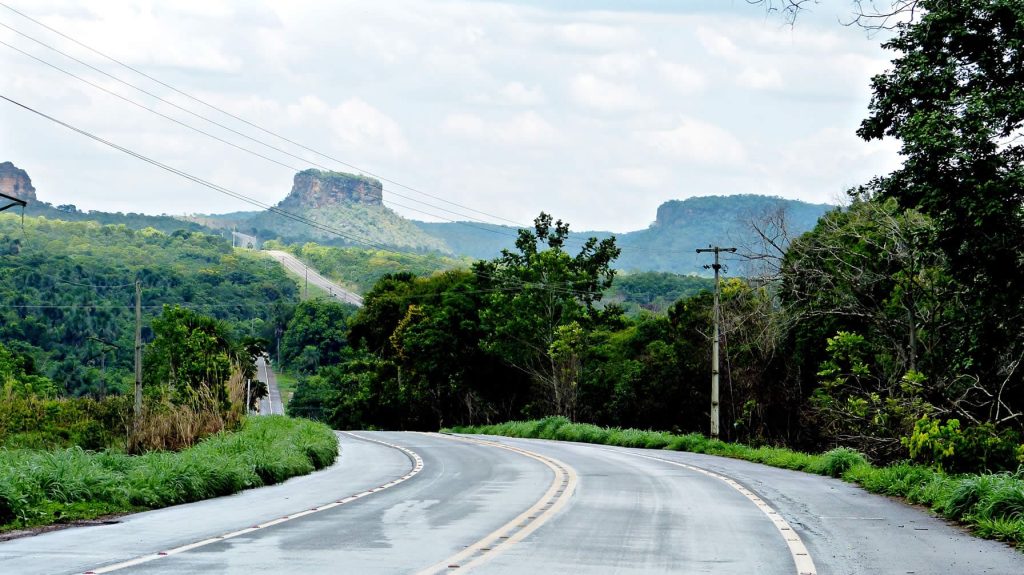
[(297, 267), (425, 503)]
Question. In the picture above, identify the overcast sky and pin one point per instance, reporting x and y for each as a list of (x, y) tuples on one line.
[(594, 111)]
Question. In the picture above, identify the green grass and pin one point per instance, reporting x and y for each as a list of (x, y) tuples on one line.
[(44, 487), (286, 384), (992, 505)]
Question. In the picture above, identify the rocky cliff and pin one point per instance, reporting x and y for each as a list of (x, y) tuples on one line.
[(317, 189), (15, 182)]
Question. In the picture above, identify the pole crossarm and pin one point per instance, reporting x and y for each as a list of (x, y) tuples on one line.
[(13, 202)]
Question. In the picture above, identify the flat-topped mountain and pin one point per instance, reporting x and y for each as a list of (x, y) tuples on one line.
[(317, 189)]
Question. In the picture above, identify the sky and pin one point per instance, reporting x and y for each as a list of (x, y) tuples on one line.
[(596, 112)]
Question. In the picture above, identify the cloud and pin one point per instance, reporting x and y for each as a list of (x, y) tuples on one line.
[(760, 79), (699, 142), (524, 129), (592, 36), (518, 94), (682, 78), (605, 96), (360, 125)]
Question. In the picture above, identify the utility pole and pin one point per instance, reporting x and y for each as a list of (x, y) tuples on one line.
[(138, 352), (306, 296), (714, 343)]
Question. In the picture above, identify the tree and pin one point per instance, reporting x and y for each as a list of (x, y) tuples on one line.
[(536, 290), (190, 354), (955, 99), (316, 334)]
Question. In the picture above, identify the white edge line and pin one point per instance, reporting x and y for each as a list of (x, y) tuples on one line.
[(416, 469), (797, 550)]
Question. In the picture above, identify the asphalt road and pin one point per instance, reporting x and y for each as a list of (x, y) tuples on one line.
[(449, 505), (271, 404), (295, 266)]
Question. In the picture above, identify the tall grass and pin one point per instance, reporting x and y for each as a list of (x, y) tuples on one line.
[(991, 504), (41, 487)]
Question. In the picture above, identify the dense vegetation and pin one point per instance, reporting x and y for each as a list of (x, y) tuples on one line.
[(341, 224), (654, 291), (360, 268), (67, 294), (992, 505), (41, 487)]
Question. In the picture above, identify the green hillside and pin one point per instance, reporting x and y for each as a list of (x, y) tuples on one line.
[(667, 245), (64, 283), (360, 225)]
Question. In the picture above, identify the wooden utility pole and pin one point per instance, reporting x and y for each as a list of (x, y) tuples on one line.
[(714, 343), (138, 352)]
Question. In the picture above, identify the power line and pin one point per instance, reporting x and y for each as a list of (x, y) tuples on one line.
[(280, 137), (213, 136), (225, 127), (504, 232), (237, 195)]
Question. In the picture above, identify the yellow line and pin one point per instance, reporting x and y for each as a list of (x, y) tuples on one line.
[(554, 499)]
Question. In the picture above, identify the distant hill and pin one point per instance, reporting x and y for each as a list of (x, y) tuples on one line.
[(17, 183), (351, 204), (667, 245)]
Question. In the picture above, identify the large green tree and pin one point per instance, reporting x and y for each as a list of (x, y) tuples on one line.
[(536, 290), (955, 99)]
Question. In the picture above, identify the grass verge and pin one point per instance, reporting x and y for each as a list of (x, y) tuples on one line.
[(992, 505), (45, 487)]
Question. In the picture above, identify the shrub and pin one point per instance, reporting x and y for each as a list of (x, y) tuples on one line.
[(837, 461)]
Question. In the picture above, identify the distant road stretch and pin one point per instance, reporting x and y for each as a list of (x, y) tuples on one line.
[(295, 265), (271, 404), (414, 503)]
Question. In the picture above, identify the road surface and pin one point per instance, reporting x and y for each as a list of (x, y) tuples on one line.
[(294, 265), (425, 503), (271, 404)]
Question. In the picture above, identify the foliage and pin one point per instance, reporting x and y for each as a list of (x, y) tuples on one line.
[(41, 487), (654, 291), (56, 312), (953, 99), (534, 292), (316, 335), (950, 448), (347, 224), (359, 267)]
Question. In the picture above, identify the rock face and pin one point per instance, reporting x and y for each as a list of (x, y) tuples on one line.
[(317, 189), (15, 182)]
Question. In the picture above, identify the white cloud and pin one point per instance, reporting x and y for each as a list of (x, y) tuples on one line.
[(592, 36), (682, 78), (760, 79), (524, 129), (360, 125), (518, 94), (717, 44), (604, 95), (699, 142)]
